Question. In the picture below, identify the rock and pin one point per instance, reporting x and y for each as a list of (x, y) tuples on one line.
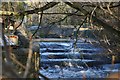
[(36, 47), (114, 76)]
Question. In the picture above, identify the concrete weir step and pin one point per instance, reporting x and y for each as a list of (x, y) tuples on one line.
[(75, 55), (65, 62), (84, 54)]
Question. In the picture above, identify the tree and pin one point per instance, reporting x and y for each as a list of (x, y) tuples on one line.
[(100, 15)]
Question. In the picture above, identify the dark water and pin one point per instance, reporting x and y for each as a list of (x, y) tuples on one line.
[(62, 60)]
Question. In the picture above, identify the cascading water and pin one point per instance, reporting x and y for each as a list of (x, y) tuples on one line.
[(60, 60)]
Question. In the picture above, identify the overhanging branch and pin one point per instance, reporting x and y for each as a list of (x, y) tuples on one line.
[(36, 10), (105, 25), (105, 7)]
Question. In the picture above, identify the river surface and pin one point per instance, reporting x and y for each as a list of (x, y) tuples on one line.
[(60, 60)]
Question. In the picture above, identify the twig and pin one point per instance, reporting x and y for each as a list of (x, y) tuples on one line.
[(7, 54), (46, 78), (8, 64), (28, 64), (17, 62), (98, 21), (9, 71), (38, 25), (92, 15), (105, 7), (78, 30), (108, 7), (52, 23), (109, 12), (36, 10), (65, 18), (20, 23)]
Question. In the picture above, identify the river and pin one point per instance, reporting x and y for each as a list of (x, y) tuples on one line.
[(60, 60)]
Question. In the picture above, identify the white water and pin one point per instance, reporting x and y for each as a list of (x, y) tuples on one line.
[(74, 70)]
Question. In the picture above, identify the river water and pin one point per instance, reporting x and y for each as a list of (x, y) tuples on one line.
[(60, 60)]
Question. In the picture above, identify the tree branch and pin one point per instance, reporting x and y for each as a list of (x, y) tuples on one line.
[(78, 30), (64, 18), (36, 10), (20, 23), (38, 25), (28, 63), (7, 65), (105, 7), (94, 18)]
